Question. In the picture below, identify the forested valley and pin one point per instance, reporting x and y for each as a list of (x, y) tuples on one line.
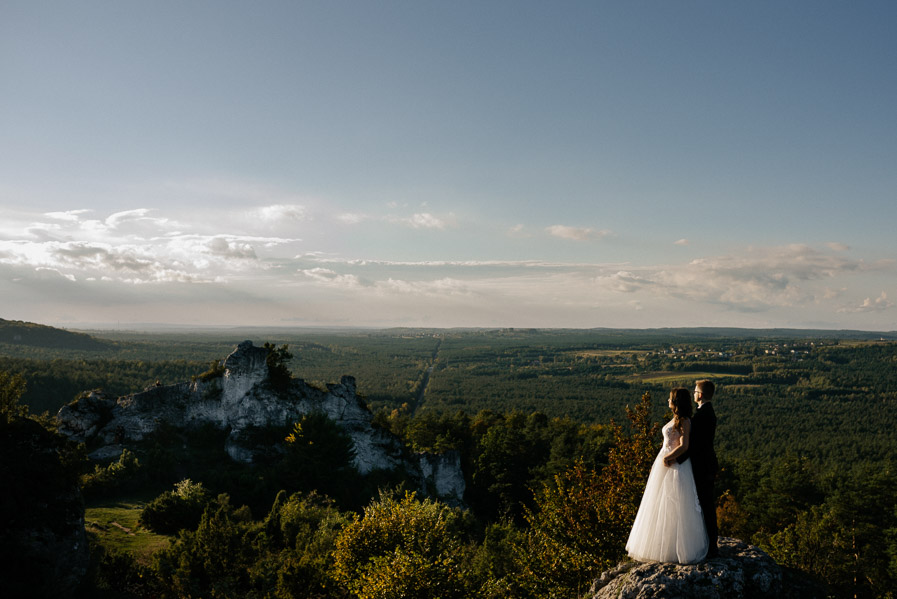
[(556, 430)]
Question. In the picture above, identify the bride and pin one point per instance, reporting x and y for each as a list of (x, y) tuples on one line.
[(669, 526)]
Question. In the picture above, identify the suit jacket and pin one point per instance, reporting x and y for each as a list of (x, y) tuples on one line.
[(700, 442)]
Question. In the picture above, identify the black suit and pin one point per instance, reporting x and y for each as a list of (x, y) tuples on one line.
[(704, 465)]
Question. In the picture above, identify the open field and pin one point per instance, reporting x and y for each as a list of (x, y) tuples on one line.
[(611, 353), (671, 378), (115, 525)]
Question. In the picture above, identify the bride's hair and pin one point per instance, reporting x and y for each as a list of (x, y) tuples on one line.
[(681, 399)]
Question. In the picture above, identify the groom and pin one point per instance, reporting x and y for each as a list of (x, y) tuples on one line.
[(703, 459)]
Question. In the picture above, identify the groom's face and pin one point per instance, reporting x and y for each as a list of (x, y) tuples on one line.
[(697, 394)]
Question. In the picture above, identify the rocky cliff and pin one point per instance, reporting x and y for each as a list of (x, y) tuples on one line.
[(43, 546), (241, 399), (741, 571)]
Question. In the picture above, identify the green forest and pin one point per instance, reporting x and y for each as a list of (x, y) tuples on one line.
[(556, 430)]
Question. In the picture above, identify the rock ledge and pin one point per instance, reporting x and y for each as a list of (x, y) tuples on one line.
[(741, 571)]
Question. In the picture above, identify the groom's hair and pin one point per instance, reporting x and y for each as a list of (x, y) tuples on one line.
[(707, 388)]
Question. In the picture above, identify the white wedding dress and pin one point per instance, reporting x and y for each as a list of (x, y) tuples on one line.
[(669, 526)]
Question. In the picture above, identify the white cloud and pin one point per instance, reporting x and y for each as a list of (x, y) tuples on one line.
[(871, 305), (565, 232), (68, 215), (331, 278), (219, 246), (838, 247), (133, 246), (280, 213), (352, 218), (757, 279), (424, 220), (420, 220), (441, 288), (322, 258), (681, 242), (623, 282), (139, 215), (69, 277), (576, 233), (82, 257)]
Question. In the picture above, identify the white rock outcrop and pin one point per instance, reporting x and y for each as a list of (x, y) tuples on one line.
[(244, 398)]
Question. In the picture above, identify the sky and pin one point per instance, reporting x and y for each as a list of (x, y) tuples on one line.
[(449, 164)]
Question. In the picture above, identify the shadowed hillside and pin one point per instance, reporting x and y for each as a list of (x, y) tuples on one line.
[(16, 332)]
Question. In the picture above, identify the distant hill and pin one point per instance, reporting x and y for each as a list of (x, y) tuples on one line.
[(739, 333), (16, 332)]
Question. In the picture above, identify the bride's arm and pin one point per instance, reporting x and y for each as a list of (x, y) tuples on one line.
[(683, 443)]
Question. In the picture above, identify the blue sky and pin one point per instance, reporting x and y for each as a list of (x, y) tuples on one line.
[(571, 164)]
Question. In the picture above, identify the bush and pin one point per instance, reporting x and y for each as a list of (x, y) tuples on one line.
[(12, 387), (213, 561), (176, 510), (302, 531), (403, 548), (118, 574), (278, 372), (228, 556), (124, 474), (582, 520), (216, 370)]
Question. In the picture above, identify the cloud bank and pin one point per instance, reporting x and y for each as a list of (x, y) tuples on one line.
[(252, 266)]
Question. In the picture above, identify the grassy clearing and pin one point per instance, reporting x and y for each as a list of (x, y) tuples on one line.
[(863, 343), (743, 387), (603, 353), (687, 378), (115, 525)]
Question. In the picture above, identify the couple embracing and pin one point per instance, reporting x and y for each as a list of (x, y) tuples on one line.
[(676, 520)]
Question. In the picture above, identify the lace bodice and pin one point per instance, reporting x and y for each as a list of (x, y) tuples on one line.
[(671, 436)]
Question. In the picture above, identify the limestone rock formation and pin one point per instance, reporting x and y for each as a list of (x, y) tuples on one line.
[(741, 571), (244, 398), (443, 472)]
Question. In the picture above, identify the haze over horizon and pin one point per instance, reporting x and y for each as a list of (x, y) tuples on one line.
[(464, 164)]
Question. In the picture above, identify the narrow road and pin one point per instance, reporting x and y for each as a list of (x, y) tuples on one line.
[(425, 380)]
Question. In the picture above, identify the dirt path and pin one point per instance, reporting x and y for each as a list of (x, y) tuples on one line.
[(123, 528)]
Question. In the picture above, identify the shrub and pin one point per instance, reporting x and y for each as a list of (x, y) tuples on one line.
[(582, 521), (215, 560), (176, 510), (124, 474), (216, 370), (278, 373), (118, 574), (403, 547), (302, 529), (12, 387)]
